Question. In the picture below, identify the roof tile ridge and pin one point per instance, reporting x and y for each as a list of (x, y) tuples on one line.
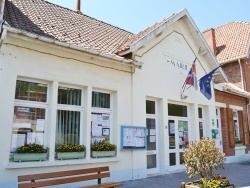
[(79, 12), (161, 22), (243, 22), (218, 27), (235, 21)]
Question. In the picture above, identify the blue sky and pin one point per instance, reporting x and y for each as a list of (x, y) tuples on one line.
[(137, 15)]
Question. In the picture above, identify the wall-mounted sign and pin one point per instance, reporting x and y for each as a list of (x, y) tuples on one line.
[(212, 122), (176, 63), (133, 137), (215, 133)]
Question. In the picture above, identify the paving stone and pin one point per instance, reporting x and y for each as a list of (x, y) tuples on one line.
[(237, 173)]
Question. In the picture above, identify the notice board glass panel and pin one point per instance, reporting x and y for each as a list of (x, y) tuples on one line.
[(133, 138)]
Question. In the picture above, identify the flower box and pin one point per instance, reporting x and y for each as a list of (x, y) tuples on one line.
[(29, 157), (240, 150), (196, 185), (97, 154), (70, 155)]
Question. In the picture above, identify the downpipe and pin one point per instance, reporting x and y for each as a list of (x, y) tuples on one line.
[(3, 33), (2, 9)]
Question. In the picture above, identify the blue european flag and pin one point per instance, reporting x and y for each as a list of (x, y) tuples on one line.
[(205, 87)]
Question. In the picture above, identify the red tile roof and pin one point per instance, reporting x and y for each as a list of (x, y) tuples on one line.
[(62, 24), (232, 41)]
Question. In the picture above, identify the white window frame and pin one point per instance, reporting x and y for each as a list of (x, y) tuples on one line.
[(202, 120), (34, 104), (237, 132), (154, 116), (105, 111), (75, 108)]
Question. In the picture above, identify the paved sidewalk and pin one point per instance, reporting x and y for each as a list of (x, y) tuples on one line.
[(237, 173)]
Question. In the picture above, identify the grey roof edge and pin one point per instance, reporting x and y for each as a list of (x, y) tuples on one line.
[(233, 90), (236, 59), (139, 43)]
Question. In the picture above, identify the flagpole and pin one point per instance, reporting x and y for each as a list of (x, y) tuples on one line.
[(185, 84)]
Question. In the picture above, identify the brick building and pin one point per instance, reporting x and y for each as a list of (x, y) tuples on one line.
[(230, 44)]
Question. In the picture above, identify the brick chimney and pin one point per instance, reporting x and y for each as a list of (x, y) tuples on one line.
[(78, 6), (209, 36)]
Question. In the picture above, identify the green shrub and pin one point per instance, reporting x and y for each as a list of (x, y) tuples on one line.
[(70, 148), (103, 147), (32, 148), (200, 158)]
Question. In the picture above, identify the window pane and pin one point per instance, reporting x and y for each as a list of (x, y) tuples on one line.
[(201, 129), (69, 96), (172, 160), (31, 91), (100, 100), (28, 126), (177, 110), (151, 126), (151, 161), (181, 158), (100, 128), (171, 133), (183, 133), (235, 114), (150, 107), (67, 127), (200, 112)]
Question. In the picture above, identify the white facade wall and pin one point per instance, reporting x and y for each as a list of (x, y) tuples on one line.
[(37, 61), (162, 80), (159, 79)]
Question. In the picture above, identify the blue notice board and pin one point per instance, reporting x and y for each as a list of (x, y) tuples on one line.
[(133, 137)]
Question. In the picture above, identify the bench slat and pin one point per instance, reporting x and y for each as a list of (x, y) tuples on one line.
[(61, 174), (63, 180)]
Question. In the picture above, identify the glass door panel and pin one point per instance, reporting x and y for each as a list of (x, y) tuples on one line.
[(151, 145), (151, 141), (178, 139), (151, 161)]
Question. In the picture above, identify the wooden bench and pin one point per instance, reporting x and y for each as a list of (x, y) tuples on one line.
[(64, 177)]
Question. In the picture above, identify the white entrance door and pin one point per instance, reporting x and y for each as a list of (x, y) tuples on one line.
[(218, 124), (151, 125), (178, 139)]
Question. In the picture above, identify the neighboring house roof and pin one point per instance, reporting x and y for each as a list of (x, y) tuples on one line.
[(232, 41), (231, 88), (62, 24)]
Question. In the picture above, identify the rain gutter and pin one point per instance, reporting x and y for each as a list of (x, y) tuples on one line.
[(121, 60)]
